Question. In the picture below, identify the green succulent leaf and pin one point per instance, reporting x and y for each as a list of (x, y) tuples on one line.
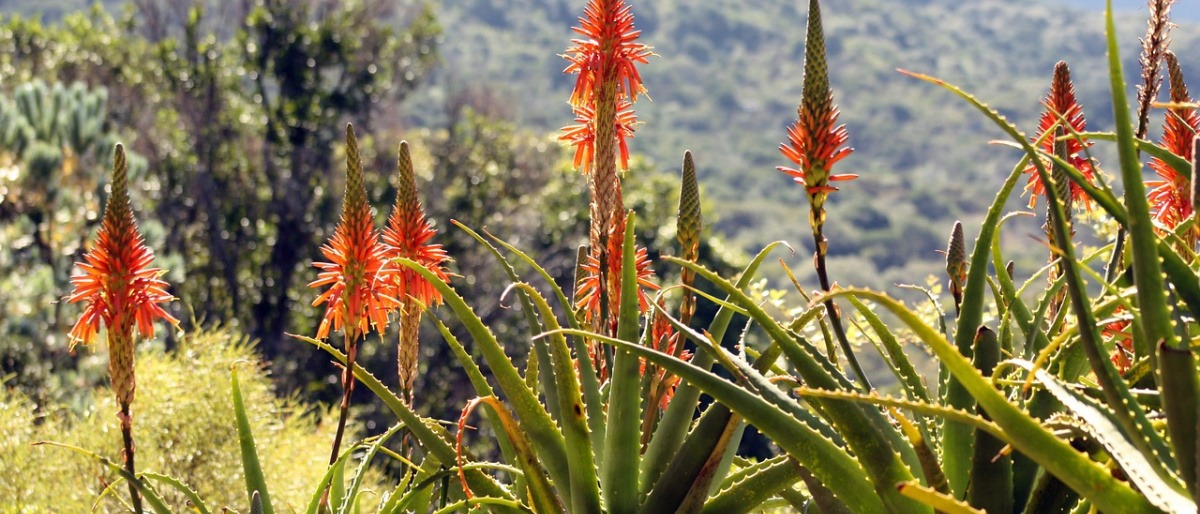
[(763, 481), (255, 481), (841, 473), (434, 439), (543, 432), (1025, 434), (152, 498), (673, 427), (622, 449)]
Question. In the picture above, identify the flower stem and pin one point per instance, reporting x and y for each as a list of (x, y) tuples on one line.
[(835, 316), (408, 351), (347, 388), (127, 439)]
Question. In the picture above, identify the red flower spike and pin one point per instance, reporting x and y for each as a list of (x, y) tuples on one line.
[(815, 141), (587, 294), (610, 51), (408, 235), (356, 272), (115, 281), (608, 57), (1061, 104), (1171, 196)]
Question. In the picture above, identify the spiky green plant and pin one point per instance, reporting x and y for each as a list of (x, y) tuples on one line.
[(1035, 416)]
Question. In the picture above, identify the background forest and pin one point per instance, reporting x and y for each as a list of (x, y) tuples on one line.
[(229, 109)]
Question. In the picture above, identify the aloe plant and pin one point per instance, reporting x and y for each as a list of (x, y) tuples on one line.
[(1037, 413)]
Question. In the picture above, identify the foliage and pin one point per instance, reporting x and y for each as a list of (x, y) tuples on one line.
[(185, 428), (232, 114), (1072, 393)]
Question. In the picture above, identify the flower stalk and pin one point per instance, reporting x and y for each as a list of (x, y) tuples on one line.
[(408, 235), (357, 275), (607, 85), (815, 144), (124, 294)]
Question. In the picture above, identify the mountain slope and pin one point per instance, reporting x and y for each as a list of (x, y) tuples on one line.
[(727, 79)]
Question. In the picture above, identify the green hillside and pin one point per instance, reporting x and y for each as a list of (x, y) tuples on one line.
[(727, 79)]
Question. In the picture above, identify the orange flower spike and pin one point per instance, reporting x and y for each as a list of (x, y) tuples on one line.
[(815, 141), (611, 51), (123, 293), (1061, 105), (408, 235), (582, 135), (356, 272), (1171, 195), (608, 56), (120, 289)]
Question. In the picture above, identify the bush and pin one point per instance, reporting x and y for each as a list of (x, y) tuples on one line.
[(185, 427)]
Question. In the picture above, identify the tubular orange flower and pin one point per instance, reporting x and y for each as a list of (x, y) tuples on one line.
[(357, 275), (1171, 195), (587, 294), (115, 280), (356, 271), (123, 293), (1061, 105), (815, 144), (408, 236), (582, 135), (1118, 331), (611, 51), (607, 85), (665, 339), (606, 65), (815, 141)]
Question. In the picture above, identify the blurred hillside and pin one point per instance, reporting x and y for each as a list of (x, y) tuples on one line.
[(726, 82), (478, 88), (1183, 10)]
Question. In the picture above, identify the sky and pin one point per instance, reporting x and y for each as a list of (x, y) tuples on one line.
[(1182, 10)]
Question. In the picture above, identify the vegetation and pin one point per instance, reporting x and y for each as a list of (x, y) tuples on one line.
[(617, 380), (184, 427)]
